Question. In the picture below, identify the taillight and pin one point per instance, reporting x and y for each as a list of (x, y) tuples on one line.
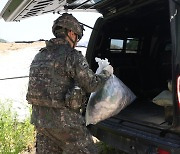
[(178, 90), (161, 151)]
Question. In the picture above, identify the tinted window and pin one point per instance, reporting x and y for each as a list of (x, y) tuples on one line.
[(128, 45), (116, 45)]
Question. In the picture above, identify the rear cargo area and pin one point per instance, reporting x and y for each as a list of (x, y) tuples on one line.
[(145, 113), (137, 43)]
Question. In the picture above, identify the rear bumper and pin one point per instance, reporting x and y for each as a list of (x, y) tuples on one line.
[(128, 138)]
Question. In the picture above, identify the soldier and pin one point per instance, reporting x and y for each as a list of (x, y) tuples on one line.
[(59, 79)]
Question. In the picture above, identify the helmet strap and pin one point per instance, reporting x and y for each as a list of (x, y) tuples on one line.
[(74, 42)]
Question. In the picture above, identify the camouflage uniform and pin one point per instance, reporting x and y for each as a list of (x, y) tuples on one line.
[(55, 73)]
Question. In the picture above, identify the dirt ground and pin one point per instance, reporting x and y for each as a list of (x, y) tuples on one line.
[(15, 46)]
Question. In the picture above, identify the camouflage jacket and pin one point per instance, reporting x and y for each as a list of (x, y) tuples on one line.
[(54, 73)]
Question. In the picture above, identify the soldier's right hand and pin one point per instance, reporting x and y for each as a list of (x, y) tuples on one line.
[(110, 69)]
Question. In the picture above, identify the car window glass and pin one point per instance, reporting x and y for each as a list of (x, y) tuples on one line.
[(116, 45), (128, 45), (131, 45)]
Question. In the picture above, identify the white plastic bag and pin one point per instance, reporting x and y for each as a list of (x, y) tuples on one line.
[(102, 64), (109, 100)]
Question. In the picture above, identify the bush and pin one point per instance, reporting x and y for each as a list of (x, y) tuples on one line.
[(15, 136), (2, 41)]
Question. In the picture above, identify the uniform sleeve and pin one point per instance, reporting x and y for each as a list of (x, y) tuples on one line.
[(83, 75)]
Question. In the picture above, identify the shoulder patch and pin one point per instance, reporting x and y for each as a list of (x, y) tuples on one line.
[(83, 63)]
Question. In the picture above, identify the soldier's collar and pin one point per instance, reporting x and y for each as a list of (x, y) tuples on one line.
[(57, 41)]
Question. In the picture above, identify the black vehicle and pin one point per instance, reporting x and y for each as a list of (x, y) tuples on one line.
[(141, 39)]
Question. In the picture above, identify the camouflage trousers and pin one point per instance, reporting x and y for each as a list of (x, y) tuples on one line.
[(67, 141)]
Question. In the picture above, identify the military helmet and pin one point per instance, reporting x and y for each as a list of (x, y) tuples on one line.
[(67, 21)]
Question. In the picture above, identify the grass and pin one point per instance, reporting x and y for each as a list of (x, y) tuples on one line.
[(106, 149), (15, 136)]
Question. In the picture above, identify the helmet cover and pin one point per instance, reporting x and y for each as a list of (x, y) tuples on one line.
[(68, 21)]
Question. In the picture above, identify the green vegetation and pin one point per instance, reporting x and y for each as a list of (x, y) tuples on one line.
[(106, 149), (15, 136), (2, 41)]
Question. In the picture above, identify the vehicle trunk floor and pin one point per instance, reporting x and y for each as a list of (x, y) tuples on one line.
[(143, 112)]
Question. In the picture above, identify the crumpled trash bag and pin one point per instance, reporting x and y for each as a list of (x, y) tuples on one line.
[(109, 100)]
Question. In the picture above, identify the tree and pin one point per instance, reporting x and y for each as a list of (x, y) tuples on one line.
[(2, 41)]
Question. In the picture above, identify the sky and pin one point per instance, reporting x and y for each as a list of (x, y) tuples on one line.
[(40, 27)]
